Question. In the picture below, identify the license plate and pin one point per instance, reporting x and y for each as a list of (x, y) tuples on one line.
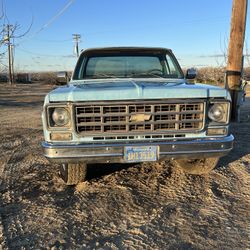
[(141, 153)]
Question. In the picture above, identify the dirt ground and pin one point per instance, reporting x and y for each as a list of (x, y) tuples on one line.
[(142, 206)]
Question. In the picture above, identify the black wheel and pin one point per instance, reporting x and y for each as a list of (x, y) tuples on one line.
[(197, 166), (73, 173)]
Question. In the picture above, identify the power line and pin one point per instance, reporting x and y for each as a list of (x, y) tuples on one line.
[(5, 17), (55, 16), (58, 14), (43, 55), (53, 41), (2, 12)]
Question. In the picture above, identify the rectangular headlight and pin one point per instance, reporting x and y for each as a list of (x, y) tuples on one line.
[(218, 112), (58, 117)]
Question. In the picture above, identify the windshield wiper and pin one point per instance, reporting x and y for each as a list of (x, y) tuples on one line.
[(97, 76), (145, 74), (131, 75)]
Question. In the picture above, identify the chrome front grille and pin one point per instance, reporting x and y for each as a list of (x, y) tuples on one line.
[(139, 118)]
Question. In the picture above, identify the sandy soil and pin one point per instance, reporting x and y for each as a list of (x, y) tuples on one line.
[(142, 206)]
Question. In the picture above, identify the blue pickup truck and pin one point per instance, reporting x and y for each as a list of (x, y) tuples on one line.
[(134, 104)]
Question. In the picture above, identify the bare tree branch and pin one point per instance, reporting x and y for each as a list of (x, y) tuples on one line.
[(27, 31), (2, 10)]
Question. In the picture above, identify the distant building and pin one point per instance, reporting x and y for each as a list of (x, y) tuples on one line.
[(3, 77), (23, 78)]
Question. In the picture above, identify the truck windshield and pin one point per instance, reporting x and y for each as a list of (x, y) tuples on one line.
[(128, 66)]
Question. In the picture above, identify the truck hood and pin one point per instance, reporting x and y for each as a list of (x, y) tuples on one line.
[(128, 89)]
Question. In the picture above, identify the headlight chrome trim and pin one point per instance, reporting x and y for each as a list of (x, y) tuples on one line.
[(51, 125)]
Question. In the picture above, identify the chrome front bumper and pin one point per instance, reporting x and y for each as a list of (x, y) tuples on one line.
[(114, 153)]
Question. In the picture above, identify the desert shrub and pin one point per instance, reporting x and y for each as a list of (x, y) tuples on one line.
[(216, 75), (213, 75), (246, 73), (45, 77)]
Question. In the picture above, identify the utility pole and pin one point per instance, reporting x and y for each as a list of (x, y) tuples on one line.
[(8, 31), (76, 38), (235, 55), (12, 62)]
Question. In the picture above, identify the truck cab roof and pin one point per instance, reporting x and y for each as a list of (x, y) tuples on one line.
[(119, 50)]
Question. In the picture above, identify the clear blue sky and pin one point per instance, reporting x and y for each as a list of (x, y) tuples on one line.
[(195, 30)]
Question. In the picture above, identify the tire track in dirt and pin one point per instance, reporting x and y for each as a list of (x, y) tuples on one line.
[(8, 148), (148, 197), (8, 198), (18, 150), (3, 242), (117, 195), (163, 185)]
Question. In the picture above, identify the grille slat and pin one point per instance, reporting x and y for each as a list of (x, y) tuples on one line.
[(139, 118), (153, 113)]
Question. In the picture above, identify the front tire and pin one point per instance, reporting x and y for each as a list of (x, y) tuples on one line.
[(73, 173), (197, 166)]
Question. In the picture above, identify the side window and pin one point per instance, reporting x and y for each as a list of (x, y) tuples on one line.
[(172, 67), (79, 70)]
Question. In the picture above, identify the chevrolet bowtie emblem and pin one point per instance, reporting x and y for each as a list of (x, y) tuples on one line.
[(140, 118)]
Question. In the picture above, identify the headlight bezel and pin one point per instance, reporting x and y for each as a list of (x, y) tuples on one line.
[(224, 105), (51, 123)]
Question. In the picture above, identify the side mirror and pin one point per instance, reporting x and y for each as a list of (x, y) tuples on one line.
[(191, 73), (62, 77)]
